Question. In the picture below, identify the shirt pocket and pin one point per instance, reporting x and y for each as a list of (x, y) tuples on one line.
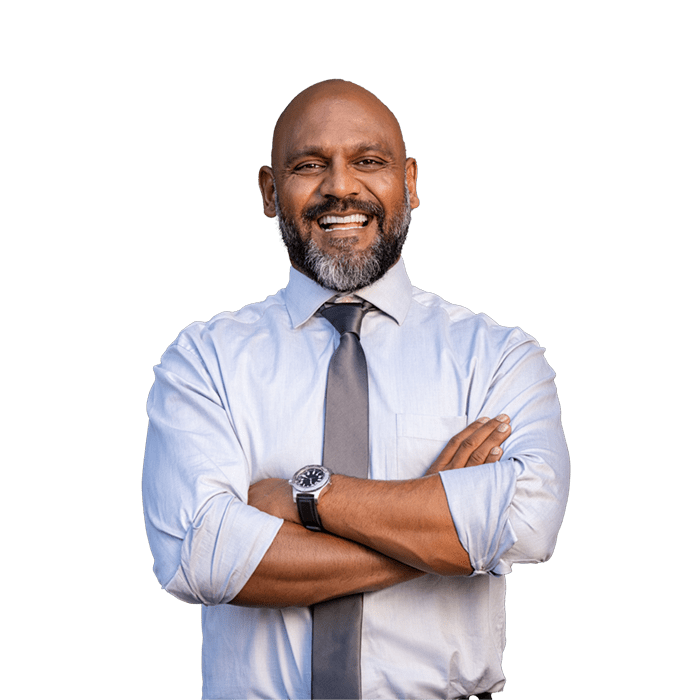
[(420, 439)]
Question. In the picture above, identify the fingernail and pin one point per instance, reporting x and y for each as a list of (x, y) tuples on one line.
[(485, 419), (503, 418), (502, 428), (496, 451)]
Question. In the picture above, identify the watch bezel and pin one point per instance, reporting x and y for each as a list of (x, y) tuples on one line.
[(314, 489)]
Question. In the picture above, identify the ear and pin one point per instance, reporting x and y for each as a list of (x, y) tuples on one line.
[(411, 178), (266, 182)]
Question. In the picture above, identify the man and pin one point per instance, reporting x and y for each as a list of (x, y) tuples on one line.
[(454, 495)]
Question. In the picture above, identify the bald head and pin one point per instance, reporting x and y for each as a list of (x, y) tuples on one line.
[(318, 102)]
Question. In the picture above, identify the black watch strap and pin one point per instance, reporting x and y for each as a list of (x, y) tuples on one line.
[(308, 512)]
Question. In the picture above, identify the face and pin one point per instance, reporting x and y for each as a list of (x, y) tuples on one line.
[(341, 187)]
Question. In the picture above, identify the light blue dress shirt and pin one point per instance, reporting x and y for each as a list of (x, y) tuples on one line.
[(241, 398)]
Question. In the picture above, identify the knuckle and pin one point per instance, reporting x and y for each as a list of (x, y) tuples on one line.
[(478, 457), (470, 443)]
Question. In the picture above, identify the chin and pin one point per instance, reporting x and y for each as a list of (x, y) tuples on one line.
[(349, 246), (342, 272)]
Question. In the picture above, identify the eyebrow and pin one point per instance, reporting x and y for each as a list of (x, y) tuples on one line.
[(367, 146)]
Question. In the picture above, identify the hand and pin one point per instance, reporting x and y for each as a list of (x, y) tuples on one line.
[(274, 496), (478, 443)]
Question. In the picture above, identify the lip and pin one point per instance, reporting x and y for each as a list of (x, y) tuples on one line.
[(343, 233)]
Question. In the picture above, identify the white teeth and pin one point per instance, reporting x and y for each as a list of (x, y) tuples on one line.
[(352, 219)]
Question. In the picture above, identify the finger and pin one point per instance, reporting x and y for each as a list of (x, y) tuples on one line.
[(475, 447), (456, 441), (490, 449), (495, 453)]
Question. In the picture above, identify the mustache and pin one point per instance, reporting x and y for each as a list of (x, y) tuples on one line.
[(342, 205)]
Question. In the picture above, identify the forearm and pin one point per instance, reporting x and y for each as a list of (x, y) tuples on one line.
[(409, 521), (302, 568)]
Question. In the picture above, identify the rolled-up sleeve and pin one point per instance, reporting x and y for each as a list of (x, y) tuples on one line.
[(511, 511), (206, 541)]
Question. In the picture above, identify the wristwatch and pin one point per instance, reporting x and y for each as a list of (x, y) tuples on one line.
[(307, 485)]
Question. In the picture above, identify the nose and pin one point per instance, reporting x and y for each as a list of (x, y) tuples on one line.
[(339, 181)]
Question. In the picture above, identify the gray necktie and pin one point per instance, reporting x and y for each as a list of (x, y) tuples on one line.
[(337, 623)]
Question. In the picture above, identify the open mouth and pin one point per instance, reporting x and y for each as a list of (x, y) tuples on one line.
[(343, 223)]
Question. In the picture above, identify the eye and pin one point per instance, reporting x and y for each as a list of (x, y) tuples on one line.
[(370, 163), (307, 167)]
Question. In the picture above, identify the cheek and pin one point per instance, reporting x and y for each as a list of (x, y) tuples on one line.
[(296, 191), (292, 211), (389, 191)]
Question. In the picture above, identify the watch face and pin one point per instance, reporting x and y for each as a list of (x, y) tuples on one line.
[(310, 478)]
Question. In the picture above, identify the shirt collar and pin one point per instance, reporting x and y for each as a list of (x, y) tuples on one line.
[(392, 294)]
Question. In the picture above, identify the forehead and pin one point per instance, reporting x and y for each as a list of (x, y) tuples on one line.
[(332, 123)]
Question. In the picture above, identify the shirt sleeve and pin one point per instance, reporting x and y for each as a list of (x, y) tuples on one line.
[(206, 541), (511, 511)]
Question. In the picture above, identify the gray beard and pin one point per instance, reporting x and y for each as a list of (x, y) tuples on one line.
[(343, 269)]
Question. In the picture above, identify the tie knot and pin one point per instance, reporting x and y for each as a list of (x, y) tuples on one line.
[(346, 318)]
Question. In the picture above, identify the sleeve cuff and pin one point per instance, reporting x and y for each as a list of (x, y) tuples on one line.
[(215, 564), (479, 499)]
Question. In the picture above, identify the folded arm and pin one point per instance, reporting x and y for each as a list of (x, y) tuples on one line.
[(387, 531)]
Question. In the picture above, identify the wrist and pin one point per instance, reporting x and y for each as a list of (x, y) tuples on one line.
[(336, 504), (307, 486)]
